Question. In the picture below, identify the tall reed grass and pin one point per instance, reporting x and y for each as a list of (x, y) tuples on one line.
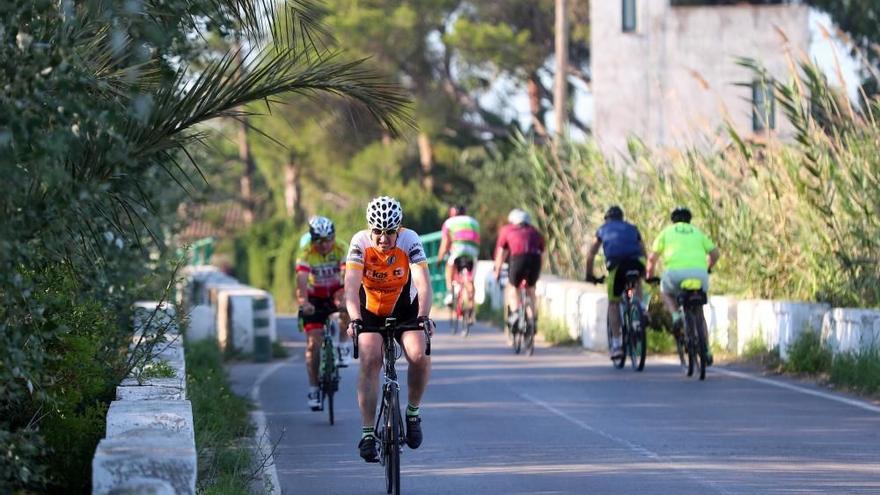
[(793, 220)]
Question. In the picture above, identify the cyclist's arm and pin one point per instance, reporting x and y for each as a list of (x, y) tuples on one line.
[(444, 247), (422, 281), (714, 254), (591, 256), (353, 280), (500, 256), (302, 287), (652, 264)]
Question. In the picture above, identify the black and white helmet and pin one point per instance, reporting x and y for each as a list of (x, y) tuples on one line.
[(384, 213), (321, 227)]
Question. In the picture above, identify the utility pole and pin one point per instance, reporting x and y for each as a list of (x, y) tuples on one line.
[(560, 85)]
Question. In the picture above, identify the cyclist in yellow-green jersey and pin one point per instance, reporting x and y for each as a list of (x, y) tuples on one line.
[(686, 252)]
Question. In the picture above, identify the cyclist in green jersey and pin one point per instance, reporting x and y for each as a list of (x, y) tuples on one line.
[(686, 252)]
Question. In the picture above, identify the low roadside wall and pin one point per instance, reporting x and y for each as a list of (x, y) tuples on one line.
[(733, 324)]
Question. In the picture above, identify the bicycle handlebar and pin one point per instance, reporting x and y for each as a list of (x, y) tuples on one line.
[(653, 280), (418, 325)]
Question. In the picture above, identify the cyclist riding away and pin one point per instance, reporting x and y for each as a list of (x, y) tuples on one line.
[(624, 251), (387, 276), (523, 245), (686, 252), (319, 268), (461, 239)]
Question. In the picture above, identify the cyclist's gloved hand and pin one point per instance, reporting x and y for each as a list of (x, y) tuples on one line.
[(355, 326), (307, 308), (427, 323)]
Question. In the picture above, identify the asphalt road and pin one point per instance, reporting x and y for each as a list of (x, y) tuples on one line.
[(565, 422)]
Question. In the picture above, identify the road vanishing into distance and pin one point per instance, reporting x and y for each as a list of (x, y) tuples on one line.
[(565, 422)]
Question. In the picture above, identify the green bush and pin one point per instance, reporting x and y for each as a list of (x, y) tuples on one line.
[(222, 425), (660, 342), (807, 354), (486, 313), (858, 371), (555, 332)]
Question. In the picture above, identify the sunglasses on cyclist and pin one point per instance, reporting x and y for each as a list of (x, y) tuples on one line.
[(388, 232)]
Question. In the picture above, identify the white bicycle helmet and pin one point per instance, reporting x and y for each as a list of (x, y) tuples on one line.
[(321, 227), (384, 213), (517, 216)]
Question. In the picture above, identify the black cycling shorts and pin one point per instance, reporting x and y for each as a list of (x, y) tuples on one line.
[(463, 262), (405, 311), (618, 271), (524, 267), (324, 307)]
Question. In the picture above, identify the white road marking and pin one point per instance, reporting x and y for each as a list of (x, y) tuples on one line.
[(788, 386)]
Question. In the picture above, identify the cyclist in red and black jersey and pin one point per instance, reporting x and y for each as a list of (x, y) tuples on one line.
[(524, 246)]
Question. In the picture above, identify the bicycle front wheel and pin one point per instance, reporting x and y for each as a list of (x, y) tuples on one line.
[(391, 442)]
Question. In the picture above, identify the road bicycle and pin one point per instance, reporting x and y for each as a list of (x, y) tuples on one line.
[(692, 341), (692, 298), (633, 331), (522, 332), (462, 303), (389, 426), (328, 369)]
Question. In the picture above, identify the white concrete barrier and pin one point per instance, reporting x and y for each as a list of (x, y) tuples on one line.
[(235, 317), (777, 323), (851, 329), (170, 416), (594, 320), (202, 323), (145, 454), (720, 316)]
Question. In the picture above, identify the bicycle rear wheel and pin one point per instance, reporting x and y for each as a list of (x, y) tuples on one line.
[(455, 310), (529, 337), (702, 342), (638, 339), (690, 342), (517, 336)]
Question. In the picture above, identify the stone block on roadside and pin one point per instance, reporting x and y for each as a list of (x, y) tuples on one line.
[(173, 416), (145, 454)]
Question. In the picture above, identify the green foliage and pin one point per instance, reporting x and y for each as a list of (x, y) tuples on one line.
[(660, 342), (222, 425), (807, 354), (858, 371), (486, 313), (101, 100), (555, 332)]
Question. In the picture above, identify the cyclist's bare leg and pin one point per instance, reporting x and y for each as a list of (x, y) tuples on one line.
[(533, 307), (614, 318), (313, 351), (370, 350), (513, 301), (419, 365), (469, 293), (449, 268), (339, 301), (670, 302)]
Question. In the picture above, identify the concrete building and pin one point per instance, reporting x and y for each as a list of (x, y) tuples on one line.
[(666, 72)]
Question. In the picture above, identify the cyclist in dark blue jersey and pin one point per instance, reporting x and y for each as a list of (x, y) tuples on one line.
[(624, 250)]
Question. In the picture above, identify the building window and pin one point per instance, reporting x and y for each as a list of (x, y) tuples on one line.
[(629, 16), (763, 106)]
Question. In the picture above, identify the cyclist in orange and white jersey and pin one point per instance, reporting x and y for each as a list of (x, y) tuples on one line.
[(387, 276)]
